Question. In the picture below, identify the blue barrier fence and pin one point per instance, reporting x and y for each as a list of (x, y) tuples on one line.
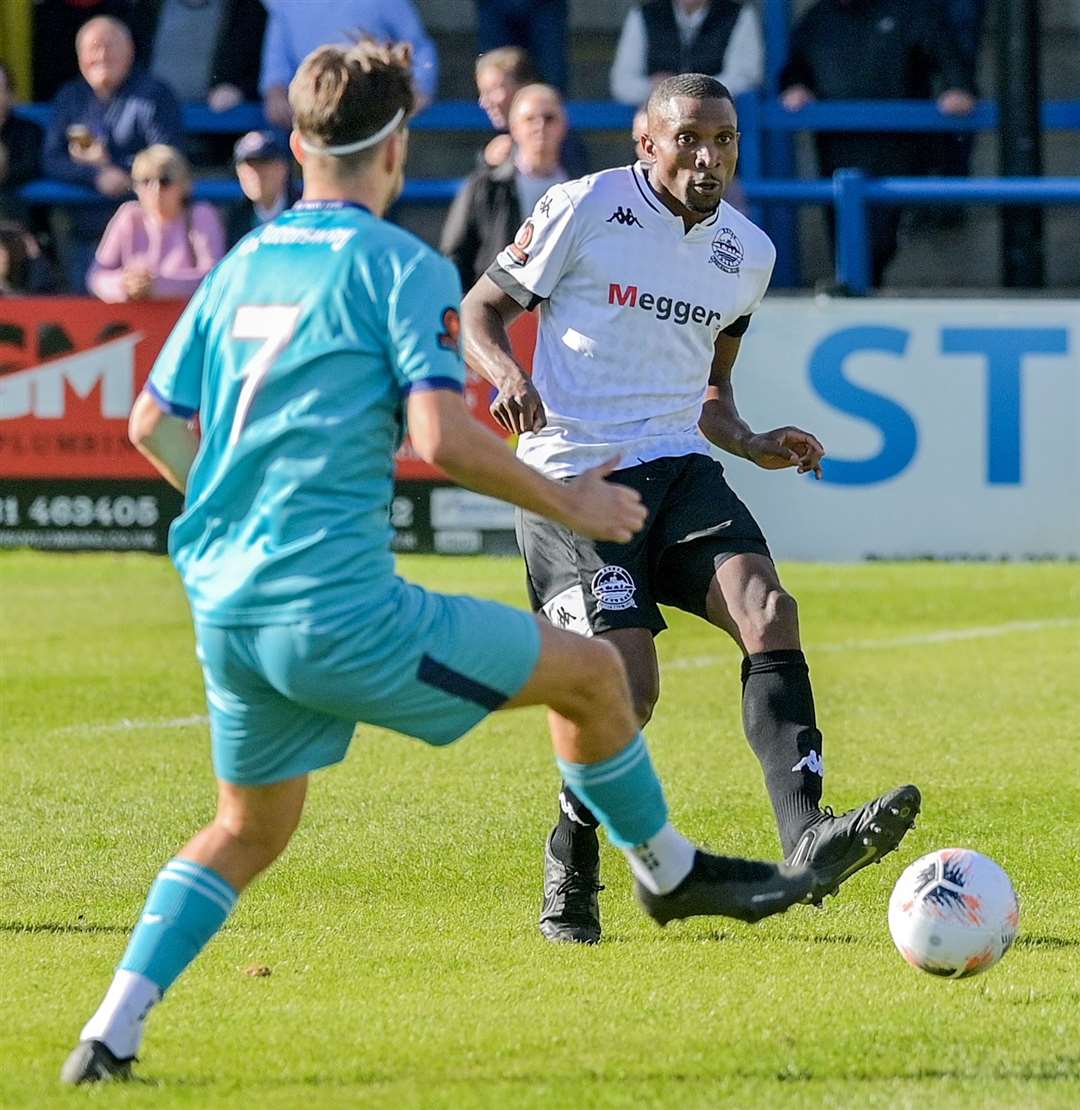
[(760, 119)]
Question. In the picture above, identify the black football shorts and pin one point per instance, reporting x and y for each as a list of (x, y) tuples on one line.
[(695, 523)]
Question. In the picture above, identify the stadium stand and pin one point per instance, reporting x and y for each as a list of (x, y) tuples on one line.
[(775, 166)]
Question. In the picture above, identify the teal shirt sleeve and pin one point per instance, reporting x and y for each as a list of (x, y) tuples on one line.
[(176, 380), (424, 327)]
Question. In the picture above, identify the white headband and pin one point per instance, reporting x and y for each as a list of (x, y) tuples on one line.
[(360, 144)]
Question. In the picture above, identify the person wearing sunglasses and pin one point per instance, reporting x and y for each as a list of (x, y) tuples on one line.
[(159, 246)]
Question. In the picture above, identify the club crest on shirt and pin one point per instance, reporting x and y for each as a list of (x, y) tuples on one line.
[(518, 248), (614, 588), (448, 338), (727, 251)]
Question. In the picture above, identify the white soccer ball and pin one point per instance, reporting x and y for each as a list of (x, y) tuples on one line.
[(953, 913)]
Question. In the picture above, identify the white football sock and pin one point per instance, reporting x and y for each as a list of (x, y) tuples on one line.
[(118, 1023), (662, 861)]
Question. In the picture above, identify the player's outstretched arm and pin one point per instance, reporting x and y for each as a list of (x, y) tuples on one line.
[(486, 313), (721, 423), (444, 434), (169, 442)]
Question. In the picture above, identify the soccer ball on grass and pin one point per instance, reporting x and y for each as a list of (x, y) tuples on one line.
[(953, 913)]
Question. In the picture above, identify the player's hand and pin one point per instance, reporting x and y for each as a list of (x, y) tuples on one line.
[(517, 408), (601, 509), (784, 447)]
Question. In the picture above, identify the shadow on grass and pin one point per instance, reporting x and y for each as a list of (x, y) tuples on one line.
[(61, 927)]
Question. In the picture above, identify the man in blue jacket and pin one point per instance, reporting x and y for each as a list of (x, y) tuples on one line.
[(100, 121)]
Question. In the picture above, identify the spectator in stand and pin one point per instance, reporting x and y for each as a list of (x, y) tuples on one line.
[(535, 26), (874, 50), (264, 170), (296, 27), (99, 122), (500, 73), (159, 246), (639, 127), (23, 268), (56, 24), (665, 37), (219, 61), (491, 204), (20, 151), (948, 154)]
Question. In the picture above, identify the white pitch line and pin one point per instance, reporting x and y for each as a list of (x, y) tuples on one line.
[(127, 725), (942, 636), (693, 662)]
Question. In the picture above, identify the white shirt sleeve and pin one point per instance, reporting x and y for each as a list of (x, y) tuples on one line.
[(530, 267), (630, 83), (744, 59), (766, 277)]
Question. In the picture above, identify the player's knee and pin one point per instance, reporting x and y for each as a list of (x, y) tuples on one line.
[(263, 838), (643, 699), (604, 682), (771, 623)]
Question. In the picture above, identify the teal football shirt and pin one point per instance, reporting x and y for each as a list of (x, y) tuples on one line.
[(297, 353)]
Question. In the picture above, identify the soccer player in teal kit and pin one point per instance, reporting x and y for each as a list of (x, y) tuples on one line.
[(300, 354)]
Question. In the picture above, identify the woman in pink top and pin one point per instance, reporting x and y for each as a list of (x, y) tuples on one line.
[(161, 245)]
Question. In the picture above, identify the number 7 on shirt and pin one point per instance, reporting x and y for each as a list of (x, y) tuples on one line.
[(272, 323)]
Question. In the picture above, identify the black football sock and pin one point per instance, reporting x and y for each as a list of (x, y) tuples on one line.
[(779, 721), (574, 841)]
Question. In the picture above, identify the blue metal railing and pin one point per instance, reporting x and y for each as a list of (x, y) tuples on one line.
[(761, 119), (850, 192)]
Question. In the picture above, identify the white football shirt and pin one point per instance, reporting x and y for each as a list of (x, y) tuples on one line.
[(630, 307)]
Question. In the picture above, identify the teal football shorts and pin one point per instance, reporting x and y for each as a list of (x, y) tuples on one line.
[(285, 699)]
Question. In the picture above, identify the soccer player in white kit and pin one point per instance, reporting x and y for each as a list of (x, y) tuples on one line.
[(646, 280)]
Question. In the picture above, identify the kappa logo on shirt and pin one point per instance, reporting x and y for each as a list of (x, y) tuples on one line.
[(544, 207), (727, 251), (624, 217)]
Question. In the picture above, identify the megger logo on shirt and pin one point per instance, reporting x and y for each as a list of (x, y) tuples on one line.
[(664, 308)]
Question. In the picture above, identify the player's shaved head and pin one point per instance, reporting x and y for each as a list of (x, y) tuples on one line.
[(692, 86), (692, 140)]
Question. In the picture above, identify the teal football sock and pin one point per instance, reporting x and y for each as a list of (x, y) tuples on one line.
[(622, 791), (186, 906)]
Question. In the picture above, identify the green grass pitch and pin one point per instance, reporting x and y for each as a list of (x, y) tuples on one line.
[(400, 927)]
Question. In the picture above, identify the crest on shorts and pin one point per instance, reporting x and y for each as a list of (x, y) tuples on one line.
[(614, 588), (519, 247), (727, 251)]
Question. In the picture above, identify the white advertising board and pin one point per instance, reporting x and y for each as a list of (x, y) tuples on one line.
[(952, 427)]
